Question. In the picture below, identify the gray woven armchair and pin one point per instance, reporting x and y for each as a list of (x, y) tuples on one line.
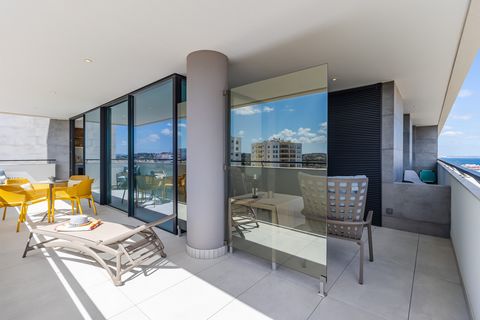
[(340, 201)]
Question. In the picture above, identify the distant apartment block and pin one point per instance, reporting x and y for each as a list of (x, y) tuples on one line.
[(277, 153), (236, 149)]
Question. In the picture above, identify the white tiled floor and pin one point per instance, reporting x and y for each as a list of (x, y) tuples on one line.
[(412, 277)]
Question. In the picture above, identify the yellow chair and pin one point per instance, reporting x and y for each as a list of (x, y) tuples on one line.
[(26, 185), (16, 196), (79, 178), (74, 194), (10, 197), (60, 185), (16, 181)]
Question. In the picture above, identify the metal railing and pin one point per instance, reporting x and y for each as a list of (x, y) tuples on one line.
[(282, 164), (474, 174), (29, 161)]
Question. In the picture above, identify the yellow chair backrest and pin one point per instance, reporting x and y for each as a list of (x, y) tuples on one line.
[(8, 196), (79, 178), (17, 181), (84, 188)]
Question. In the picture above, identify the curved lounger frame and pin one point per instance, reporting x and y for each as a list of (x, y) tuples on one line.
[(109, 238)]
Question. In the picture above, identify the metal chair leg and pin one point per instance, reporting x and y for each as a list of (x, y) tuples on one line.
[(360, 275), (93, 205), (370, 243), (79, 206)]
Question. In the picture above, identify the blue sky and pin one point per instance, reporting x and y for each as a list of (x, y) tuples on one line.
[(298, 119), (460, 136), (150, 138)]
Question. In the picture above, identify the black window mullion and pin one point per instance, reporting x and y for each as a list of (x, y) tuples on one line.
[(176, 99), (103, 156), (131, 162)]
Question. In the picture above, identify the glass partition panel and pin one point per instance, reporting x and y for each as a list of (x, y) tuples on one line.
[(153, 153), (92, 150), (117, 189), (278, 169)]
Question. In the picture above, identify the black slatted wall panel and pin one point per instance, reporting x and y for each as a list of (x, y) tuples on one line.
[(354, 139)]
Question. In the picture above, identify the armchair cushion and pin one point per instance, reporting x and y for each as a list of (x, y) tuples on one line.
[(27, 186), (72, 183)]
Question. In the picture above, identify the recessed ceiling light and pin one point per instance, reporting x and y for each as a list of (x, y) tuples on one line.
[(88, 60), (334, 79)]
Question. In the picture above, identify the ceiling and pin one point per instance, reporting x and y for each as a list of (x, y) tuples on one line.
[(132, 43)]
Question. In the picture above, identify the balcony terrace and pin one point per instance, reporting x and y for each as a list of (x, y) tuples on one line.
[(268, 144), (413, 277)]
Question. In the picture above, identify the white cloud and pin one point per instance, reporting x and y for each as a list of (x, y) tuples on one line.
[(465, 93), (166, 132), (251, 110), (247, 111), (302, 135), (267, 109), (285, 134), (183, 125), (255, 140), (451, 133), (461, 117), (241, 133), (306, 132), (153, 137), (124, 142), (323, 128)]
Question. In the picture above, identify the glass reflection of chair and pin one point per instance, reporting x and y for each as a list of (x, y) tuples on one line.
[(122, 182), (182, 187), (167, 184), (141, 188), (147, 185), (338, 202), (241, 215), (154, 183)]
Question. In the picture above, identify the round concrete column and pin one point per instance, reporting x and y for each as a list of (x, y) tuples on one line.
[(207, 81)]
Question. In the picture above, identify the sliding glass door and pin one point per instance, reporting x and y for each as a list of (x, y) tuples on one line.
[(135, 149), (117, 156), (154, 169), (92, 150)]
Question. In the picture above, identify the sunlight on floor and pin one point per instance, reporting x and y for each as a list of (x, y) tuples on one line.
[(413, 275)]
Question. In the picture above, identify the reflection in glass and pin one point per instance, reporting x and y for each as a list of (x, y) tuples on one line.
[(78, 138), (182, 157), (118, 164), (153, 153), (278, 133), (92, 150)]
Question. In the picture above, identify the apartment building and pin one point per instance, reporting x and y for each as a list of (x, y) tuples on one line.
[(277, 153), (236, 149)]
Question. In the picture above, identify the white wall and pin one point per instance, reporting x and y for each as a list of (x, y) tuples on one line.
[(33, 172), (465, 232), (30, 138)]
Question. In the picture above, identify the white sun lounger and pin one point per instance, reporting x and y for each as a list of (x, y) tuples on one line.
[(107, 241)]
